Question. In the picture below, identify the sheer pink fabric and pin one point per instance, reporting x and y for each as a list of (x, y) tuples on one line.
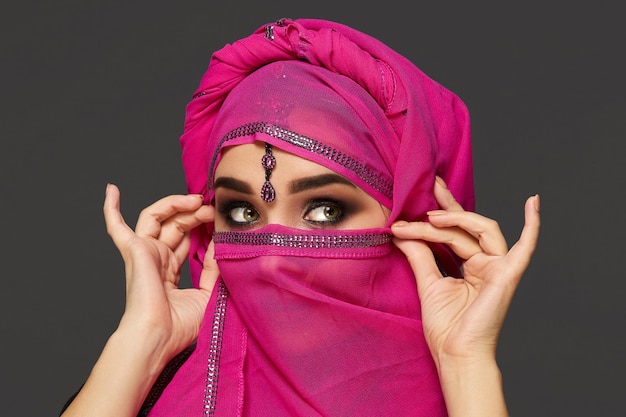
[(431, 123), (319, 323)]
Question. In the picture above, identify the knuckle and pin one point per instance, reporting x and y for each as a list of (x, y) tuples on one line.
[(492, 224)]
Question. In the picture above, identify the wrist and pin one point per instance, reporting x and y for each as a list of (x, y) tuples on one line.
[(146, 346), (467, 358), (123, 375), (472, 386)]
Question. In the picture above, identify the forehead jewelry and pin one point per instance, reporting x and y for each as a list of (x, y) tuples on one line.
[(268, 162)]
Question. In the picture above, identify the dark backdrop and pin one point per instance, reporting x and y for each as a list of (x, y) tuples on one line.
[(94, 92)]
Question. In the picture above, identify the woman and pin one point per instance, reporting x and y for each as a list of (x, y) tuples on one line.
[(330, 184)]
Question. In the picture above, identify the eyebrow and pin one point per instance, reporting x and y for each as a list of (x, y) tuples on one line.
[(295, 186), (233, 184), (316, 181)]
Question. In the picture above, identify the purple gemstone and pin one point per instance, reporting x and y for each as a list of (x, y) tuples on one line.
[(268, 161), (267, 192)]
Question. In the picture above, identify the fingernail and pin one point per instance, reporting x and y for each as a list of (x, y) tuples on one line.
[(107, 187), (536, 202), (436, 212), (440, 181), (400, 223)]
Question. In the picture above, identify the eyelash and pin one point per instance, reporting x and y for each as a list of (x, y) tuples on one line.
[(226, 209), (337, 205)]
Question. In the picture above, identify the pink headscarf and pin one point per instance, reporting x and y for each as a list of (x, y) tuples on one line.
[(319, 322), (431, 124)]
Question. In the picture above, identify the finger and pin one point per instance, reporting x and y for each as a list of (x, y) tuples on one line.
[(444, 196), (210, 271), (116, 227), (174, 229), (150, 218), (485, 230), (461, 242), (422, 262), (181, 248), (522, 250)]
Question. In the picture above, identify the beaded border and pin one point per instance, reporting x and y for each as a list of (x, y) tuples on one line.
[(215, 348), (383, 186), (366, 240)]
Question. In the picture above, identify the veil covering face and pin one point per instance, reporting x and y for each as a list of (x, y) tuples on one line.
[(323, 322)]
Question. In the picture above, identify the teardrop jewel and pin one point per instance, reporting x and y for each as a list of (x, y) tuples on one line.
[(268, 194)]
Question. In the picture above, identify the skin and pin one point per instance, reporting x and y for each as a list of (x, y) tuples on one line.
[(309, 196), (462, 318)]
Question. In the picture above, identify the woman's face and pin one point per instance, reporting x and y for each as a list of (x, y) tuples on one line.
[(308, 195)]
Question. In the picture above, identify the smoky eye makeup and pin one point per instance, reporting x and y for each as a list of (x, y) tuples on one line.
[(325, 212), (238, 214), (335, 205)]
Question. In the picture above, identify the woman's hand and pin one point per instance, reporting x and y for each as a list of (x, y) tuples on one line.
[(463, 317), (153, 255), (160, 319)]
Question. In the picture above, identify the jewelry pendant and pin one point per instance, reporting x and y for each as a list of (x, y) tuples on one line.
[(268, 162)]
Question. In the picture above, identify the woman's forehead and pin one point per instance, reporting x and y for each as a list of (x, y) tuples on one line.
[(245, 161)]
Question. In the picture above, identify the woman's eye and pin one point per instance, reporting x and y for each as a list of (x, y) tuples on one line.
[(243, 215), (324, 213)]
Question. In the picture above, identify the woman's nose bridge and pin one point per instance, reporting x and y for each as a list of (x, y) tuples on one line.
[(278, 212)]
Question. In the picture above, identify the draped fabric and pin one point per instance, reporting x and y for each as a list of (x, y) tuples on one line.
[(431, 124), (323, 322)]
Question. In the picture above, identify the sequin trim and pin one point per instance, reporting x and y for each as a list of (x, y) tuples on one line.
[(303, 241), (213, 361), (383, 186)]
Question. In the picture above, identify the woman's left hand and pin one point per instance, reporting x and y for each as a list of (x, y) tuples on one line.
[(462, 318)]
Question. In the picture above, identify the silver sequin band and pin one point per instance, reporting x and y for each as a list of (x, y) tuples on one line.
[(380, 184), (213, 361), (367, 240)]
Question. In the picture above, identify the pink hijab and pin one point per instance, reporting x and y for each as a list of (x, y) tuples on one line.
[(319, 322)]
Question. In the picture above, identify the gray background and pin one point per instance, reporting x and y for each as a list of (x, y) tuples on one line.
[(94, 92)]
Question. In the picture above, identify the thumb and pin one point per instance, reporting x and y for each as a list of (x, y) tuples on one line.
[(422, 261), (210, 271)]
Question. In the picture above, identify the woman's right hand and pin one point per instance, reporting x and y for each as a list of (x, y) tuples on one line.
[(160, 319), (153, 254)]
